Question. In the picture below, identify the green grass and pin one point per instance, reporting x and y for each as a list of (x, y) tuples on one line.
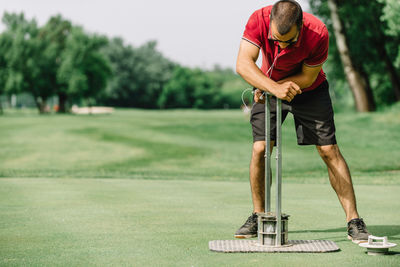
[(151, 188), (181, 144), (124, 222)]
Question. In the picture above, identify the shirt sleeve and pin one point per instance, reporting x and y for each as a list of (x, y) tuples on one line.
[(319, 54), (252, 32)]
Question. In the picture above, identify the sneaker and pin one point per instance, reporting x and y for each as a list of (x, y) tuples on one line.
[(249, 228), (357, 231)]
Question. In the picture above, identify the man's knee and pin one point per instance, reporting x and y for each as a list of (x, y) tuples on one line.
[(258, 149), (329, 152)]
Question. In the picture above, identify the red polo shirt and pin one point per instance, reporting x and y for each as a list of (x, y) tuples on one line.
[(310, 49)]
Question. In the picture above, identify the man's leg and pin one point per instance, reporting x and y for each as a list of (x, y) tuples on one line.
[(340, 179), (257, 175), (257, 184), (339, 176), (257, 171)]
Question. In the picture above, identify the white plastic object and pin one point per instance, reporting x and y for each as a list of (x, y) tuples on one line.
[(377, 248)]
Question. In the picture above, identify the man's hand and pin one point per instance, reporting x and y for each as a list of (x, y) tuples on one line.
[(286, 91), (259, 97)]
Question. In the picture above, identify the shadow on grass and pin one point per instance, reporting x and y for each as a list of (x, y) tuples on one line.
[(391, 231), (394, 253)]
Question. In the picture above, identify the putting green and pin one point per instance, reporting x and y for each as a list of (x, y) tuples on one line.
[(169, 222)]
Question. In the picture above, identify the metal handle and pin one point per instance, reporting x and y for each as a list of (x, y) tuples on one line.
[(278, 203), (278, 171), (267, 155)]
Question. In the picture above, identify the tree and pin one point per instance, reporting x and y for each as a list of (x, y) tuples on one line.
[(55, 34), (191, 88), (230, 87), (371, 50), (178, 92), (390, 16), (84, 69), (139, 74), (359, 85), (5, 46), (25, 65)]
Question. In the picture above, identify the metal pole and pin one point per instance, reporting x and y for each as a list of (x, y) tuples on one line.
[(278, 171), (267, 155)]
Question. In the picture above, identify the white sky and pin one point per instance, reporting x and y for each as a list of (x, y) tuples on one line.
[(193, 33)]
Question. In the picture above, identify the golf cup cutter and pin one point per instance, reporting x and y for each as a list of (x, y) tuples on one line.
[(272, 226)]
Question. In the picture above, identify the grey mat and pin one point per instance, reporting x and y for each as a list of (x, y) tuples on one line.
[(240, 245)]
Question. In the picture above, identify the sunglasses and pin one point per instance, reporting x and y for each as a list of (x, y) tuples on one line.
[(290, 41)]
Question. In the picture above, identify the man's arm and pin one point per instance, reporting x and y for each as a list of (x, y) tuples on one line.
[(251, 73), (305, 78)]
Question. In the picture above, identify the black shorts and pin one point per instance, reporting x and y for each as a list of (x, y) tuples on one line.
[(313, 117)]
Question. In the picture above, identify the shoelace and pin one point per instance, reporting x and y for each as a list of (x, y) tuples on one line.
[(250, 219), (360, 226)]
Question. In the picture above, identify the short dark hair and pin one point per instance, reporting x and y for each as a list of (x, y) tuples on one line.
[(287, 13)]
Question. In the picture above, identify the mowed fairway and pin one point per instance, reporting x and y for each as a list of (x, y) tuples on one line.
[(151, 188)]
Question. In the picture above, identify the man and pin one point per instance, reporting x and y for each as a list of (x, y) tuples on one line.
[(294, 45)]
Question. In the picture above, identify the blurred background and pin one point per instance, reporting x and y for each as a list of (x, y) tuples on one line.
[(178, 54)]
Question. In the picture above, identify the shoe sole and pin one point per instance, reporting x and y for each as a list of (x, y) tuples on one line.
[(356, 241), (245, 236)]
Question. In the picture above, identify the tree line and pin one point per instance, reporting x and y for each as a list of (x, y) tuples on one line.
[(61, 59)]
